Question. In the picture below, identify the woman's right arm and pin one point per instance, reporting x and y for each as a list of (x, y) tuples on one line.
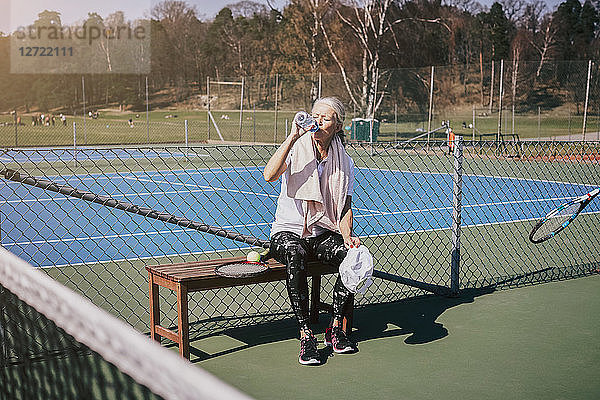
[(276, 165)]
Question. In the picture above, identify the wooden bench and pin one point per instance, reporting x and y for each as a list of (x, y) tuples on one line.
[(195, 276)]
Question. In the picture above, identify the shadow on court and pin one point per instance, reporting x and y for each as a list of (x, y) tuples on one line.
[(415, 317)]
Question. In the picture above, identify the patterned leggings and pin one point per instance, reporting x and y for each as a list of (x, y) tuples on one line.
[(289, 249)]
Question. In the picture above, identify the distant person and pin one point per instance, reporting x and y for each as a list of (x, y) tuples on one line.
[(63, 118), (130, 122)]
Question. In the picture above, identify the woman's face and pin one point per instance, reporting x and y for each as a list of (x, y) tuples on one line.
[(328, 123)]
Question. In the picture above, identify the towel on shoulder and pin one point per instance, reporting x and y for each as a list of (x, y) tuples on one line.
[(322, 199)]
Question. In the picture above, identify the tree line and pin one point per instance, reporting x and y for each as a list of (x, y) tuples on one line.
[(359, 40)]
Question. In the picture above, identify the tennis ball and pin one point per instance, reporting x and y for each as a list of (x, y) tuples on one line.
[(253, 256)]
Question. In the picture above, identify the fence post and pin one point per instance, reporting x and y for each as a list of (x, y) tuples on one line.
[(473, 137), (208, 107), (500, 94), (395, 122), (430, 104), (84, 113), (491, 90), (276, 100), (320, 83), (587, 96), (186, 134), (16, 128), (456, 214), (539, 123), (241, 108), (74, 144), (147, 113)]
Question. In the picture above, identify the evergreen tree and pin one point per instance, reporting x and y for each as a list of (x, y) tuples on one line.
[(498, 30), (577, 26)]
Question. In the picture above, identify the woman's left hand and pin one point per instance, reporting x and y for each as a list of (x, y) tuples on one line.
[(351, 241)]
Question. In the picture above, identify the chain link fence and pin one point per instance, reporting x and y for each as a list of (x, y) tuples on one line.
[(432, 216)]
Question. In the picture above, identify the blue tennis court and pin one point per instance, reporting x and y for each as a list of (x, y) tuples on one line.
[(37, 223)]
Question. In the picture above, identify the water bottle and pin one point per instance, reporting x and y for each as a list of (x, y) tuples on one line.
[(305, 121)]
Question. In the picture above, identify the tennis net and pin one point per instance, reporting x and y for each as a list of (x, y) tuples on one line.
[(57, 345)]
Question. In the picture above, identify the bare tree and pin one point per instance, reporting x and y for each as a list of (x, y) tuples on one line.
[(177, 19), (513, 9), (370, 23), (532, 15), (112, 22), (305, 20), (547, 43), (234, 39)]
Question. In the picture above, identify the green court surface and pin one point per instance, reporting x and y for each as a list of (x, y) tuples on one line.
[(534, 342)]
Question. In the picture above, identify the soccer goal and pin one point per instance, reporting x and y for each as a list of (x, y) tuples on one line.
[(211, 118)]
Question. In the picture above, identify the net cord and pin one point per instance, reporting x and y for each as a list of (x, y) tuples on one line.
[(162, 371)]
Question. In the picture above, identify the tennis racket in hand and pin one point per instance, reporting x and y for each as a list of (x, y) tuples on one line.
[(255, 264), (559, 218)]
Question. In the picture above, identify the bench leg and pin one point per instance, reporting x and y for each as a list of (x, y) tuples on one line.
[(154, 308), (183, 328)]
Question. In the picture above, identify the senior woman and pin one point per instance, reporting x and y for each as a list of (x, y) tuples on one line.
[(314, 217)]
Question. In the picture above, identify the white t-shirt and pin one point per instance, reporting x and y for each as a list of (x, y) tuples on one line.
[(289, 215)]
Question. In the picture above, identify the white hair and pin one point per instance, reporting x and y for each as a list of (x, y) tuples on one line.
[(336, 104), (338, 110)]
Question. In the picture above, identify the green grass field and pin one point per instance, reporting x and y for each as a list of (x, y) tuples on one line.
[(113, 128)]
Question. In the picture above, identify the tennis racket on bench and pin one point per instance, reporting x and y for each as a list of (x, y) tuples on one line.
[(559, 218), (232, 270), (245, 269)]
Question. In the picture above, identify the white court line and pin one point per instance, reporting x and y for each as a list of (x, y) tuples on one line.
[(217, 189), (380, 213), (191, 253), (462, 226), (67, 198), (475, 175), (127, 235), (110, 175)]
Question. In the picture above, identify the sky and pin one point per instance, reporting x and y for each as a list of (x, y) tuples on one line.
[(24, 12)]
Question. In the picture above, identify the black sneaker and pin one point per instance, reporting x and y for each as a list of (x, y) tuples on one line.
[(309, 355), (337, 339)]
